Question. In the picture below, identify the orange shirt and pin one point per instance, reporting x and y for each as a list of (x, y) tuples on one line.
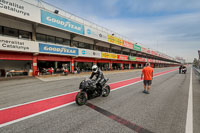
[(148, 72)]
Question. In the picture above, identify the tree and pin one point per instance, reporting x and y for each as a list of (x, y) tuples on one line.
[(195, 62)]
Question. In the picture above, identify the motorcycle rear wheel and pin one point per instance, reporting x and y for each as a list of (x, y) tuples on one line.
[(81, 98), (106, 91)]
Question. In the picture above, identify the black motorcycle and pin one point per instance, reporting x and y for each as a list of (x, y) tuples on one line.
[(89, 90), (184, 70)]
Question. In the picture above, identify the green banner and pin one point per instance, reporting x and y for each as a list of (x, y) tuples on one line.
[(136, 47), (132, 58)]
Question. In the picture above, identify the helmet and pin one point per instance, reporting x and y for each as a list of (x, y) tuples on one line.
[(94, 68)]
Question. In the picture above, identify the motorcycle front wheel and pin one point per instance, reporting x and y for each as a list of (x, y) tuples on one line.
[(81, 98), (106, 91)]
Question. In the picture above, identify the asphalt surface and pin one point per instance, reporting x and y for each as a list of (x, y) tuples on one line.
[(162, 111)]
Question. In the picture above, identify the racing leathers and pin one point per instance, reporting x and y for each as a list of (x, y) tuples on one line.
[(99, 79)]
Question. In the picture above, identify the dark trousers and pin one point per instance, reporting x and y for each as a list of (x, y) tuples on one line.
[(180, 71)]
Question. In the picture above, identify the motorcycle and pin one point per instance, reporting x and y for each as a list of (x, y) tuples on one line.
[(89, 90), (184, 70)]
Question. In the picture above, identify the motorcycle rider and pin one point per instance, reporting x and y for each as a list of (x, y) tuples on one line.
[(99, 77)]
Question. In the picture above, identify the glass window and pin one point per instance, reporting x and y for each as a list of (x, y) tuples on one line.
[(10, 32), (88, 46), (41, 37), (1, 29), (74, 43), (116, 51), (125, 53), (82, 45), (51, 39), (102, 49), (59, 40), (24, 34), (66, 42)]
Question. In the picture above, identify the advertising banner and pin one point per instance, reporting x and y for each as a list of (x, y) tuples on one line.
[(149, 60), (14, 44), (108, 55), (132, 58), (136, 47), (89, 53), (144, 50), (127, 44), (153, 53), (149, 51), (140, 59), (115, 40), (20, 9), (61, 22), (55, 49), (122, 57), (93, 33)]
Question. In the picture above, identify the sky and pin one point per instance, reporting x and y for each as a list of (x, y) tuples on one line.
[(169, 26)]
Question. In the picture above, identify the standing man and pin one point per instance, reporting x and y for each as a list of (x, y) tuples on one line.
[(180, 69), (147, 72)]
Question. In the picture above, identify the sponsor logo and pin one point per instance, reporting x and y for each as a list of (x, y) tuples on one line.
[(14, 7), (13, 44), (137, 47), (95, 33), (61, 22), (83, 52), (96, 54), (57, 49), (89, 31)]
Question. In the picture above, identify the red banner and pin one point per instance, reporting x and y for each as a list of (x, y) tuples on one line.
[(127, 44), (122, 57), (140, 59), (144, 50), (153, 53), (149, 60), (149, 51)]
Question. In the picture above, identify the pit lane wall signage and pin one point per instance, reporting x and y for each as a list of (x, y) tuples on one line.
[(14, 44), (93, 33), (89, 53), (56, 49), (122, 57), (115, 40), (140, 59), (61, 22), (136, 47), (20, 9), (145, 50), (132, 58), (127, 44), (108, 55)]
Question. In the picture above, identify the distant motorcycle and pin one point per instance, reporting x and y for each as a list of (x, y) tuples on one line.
[(88, 90), (184, 70)]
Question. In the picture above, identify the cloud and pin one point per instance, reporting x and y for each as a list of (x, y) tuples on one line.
[(159, 24), (158, 7)]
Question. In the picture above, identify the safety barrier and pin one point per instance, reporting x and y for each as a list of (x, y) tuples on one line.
[(197, 72)]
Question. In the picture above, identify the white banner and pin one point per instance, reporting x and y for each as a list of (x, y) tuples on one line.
[(89, 53), (93, 33), (14, 44), (20, 9)]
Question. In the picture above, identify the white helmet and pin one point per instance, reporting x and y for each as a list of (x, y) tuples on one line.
[(94, 68)]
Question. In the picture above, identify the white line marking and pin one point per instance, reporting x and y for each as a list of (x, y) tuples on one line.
[(36, 114), (189, 119), (30, 116), (37, 100)]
